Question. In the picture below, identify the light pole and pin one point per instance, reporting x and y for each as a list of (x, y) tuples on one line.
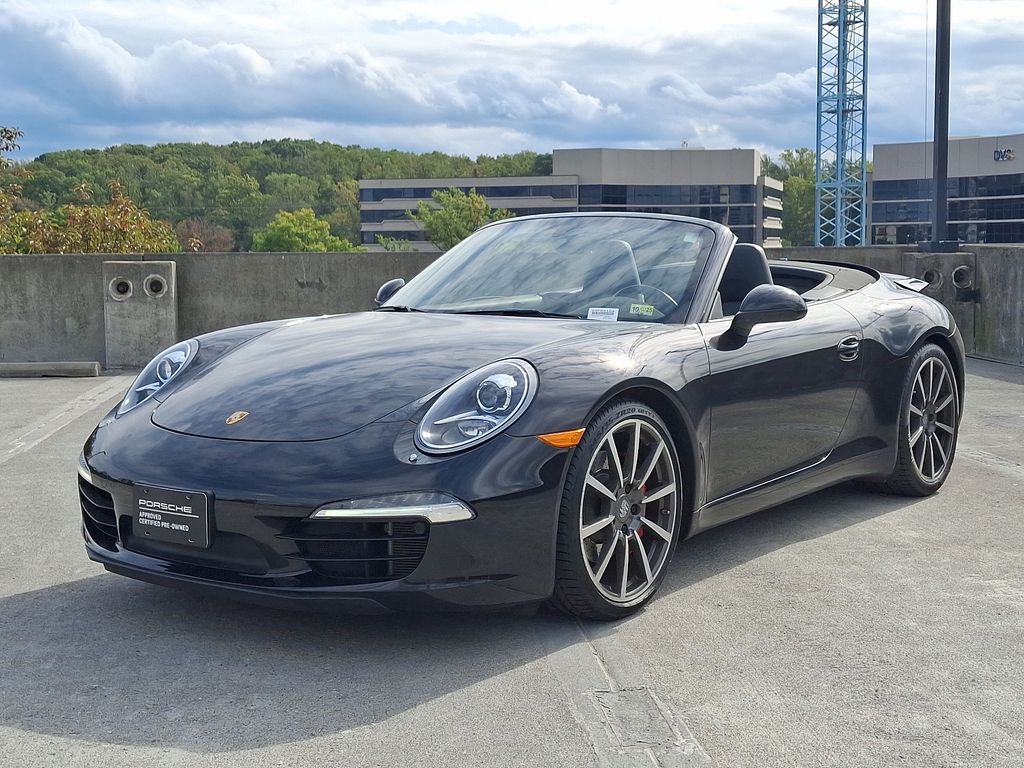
[(939, 242)]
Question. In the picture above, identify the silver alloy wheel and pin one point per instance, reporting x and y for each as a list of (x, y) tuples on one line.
[(629, 510), (932, 423)]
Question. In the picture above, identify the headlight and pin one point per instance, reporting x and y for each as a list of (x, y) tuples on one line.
[(477, 407), (158, 373)]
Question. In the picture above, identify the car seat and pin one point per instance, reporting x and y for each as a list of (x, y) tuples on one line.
[(747, 269)]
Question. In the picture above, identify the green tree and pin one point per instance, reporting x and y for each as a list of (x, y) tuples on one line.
[(290, 192), (171, 191), (543, 165), (453, 215), (243, 184), (118, 226), (15, 225), (8, 143), (202, 235), (237, 203), (796, 169), (798, 211), (798, 162), (301, 230), (342, 200), (394, 244)]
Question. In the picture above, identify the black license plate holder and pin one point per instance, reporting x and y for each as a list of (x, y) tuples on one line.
[(173, 516)]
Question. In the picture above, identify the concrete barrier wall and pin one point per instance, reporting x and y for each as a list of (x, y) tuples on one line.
[(52, 306), (219, 290), (999, 315), (140, 310), (983, 286)]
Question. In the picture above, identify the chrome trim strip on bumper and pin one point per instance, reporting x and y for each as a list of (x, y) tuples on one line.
[(432, 513), (83, 469)]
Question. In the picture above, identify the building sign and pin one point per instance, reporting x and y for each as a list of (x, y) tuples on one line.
[(1002, 155)]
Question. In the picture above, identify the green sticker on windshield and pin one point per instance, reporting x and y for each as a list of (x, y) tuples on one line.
[(641, 309)]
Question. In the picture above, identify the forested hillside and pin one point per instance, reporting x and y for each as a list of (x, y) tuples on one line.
[(220, 194)]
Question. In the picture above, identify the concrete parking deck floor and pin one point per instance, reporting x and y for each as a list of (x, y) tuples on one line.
[(846, 629)]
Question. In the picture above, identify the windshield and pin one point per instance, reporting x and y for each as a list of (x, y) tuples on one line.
[(593, 267)]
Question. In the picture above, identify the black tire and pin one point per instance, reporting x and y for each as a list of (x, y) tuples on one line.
[(921, 469), (643, 539)]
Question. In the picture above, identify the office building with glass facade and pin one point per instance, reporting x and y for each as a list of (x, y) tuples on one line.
[(723, 185), (985, 190), (384, 203)]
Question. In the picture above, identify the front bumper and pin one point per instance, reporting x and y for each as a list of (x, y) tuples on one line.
[(264, 547)]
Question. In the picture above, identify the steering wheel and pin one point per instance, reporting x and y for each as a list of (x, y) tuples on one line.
[(664, 303)]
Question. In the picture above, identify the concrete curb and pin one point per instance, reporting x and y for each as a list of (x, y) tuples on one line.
[(26, 370)]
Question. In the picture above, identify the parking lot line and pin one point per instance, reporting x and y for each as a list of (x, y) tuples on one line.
[(54, 421)]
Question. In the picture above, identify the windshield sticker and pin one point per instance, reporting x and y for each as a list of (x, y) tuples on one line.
[(603, 313), (647, 310)]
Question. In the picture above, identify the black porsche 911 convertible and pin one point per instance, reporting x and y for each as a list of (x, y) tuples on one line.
[(540, 415)]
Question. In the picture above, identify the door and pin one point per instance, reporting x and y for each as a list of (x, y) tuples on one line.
[(780, 400)]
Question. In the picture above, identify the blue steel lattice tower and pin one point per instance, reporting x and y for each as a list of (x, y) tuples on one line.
[(841, 182)]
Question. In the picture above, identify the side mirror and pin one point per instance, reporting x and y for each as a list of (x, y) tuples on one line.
[(389, 289), (767, 304)]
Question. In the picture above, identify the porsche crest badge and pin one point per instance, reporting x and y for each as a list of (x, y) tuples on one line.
[(235, 417)]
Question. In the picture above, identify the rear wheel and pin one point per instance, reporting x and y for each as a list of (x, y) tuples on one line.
[(929, 424), (619, 515)]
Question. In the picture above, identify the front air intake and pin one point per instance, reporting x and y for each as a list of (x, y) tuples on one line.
[(98, 514), (351, 552)]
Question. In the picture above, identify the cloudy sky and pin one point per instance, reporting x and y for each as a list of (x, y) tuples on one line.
[(472, 77)]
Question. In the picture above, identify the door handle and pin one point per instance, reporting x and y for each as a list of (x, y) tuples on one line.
[(849, 348)]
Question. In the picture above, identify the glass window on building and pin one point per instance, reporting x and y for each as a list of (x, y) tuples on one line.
[(992, 232), (590, 194), (375, 217), (991, 186), (912, 189), (369, 237), (919, 211), (535, 211), (987, 210), (613, 194), (1003, 185), (745, 234), (899, 234)]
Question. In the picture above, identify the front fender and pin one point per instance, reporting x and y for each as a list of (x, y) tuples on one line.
[(575, 381)]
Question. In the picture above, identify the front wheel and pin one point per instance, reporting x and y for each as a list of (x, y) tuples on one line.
[(929, 425), (620, 514)]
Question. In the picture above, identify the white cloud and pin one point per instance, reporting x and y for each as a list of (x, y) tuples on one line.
[(466, 78), (578, 106)]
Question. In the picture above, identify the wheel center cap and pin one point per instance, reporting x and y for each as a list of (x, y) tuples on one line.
[(624, 508)]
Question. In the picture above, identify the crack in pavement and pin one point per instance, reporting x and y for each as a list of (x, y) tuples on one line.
[(627, 723), (991, 460)]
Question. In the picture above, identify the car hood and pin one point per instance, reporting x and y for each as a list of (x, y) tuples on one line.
[(326, 377)]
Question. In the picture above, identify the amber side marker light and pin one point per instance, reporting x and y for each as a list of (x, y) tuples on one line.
[(566, 439)]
